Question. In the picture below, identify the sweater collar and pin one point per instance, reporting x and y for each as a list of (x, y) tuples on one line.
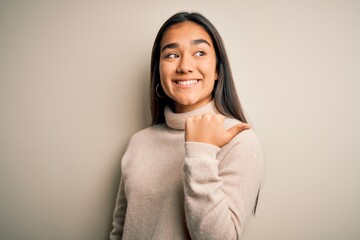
[(177, 120)]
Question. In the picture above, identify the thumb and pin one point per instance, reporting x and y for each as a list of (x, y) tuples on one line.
[(235, 130)]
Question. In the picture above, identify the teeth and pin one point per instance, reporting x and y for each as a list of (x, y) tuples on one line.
[(187, 82)]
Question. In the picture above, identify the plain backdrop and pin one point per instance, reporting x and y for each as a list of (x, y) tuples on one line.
[(74, 78)]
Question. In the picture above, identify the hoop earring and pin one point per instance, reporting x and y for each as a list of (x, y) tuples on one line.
[(157, 91)]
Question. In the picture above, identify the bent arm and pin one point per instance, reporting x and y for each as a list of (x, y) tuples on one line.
[(220, 194)]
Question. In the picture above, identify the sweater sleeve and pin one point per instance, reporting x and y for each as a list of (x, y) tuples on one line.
[(220, 194), (119, 214)]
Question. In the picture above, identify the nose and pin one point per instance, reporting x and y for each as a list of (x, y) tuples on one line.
[(185, 65)]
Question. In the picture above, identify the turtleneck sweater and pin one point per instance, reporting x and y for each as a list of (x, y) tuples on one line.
[(172, 189)]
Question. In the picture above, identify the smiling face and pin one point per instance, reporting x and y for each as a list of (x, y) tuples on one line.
[(187, 66)]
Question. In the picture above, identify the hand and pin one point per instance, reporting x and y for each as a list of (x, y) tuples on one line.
[(209, 128)]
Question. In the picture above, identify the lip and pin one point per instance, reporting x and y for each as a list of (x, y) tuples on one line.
[(185, 83)]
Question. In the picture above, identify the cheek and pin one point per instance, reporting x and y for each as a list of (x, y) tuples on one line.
[(165, 79), (209, 69), (164, 70), (161, 70)]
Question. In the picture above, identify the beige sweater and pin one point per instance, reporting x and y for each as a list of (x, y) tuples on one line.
[(170, 189)]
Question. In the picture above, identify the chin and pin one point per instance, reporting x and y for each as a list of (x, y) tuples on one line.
[(187, 102)]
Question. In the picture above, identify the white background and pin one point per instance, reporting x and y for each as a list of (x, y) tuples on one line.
[(74, 78)]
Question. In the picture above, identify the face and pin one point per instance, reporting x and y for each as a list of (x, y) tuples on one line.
[(187, 66)]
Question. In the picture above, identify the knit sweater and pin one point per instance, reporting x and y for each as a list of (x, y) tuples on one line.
[(172, 189)]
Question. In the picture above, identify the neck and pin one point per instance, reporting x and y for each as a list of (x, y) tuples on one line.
[(180, 108), (177, 120)]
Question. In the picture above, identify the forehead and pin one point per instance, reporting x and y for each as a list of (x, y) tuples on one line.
[(185, 31)]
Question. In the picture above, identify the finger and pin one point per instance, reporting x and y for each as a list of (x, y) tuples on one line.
[(219, 116), (235, 130)]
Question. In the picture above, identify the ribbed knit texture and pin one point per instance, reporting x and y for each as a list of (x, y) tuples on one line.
[(170, 189)]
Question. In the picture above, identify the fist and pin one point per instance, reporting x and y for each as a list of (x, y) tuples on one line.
[(209, 128)]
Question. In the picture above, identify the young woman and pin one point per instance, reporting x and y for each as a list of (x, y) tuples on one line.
[(196, 172)]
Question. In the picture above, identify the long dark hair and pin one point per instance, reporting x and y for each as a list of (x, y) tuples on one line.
[(224, 94)]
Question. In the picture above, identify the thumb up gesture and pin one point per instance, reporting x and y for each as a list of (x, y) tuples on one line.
[(209, 129)]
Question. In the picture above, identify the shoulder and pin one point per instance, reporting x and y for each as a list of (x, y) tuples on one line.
[(248, 136), (147, 134), (246, 148), (246, 145), (141, 141)]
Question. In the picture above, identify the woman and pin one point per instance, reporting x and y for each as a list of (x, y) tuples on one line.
[(195, 173)]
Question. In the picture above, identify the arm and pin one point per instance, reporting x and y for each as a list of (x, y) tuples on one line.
[(120, 209), (221, 187), (119, 214)]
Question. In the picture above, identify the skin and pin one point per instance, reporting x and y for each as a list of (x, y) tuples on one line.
[(187, 53), (188, 74)]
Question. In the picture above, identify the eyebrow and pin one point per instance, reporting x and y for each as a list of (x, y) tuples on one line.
[(170, 45), (176, 45), (198, 41)]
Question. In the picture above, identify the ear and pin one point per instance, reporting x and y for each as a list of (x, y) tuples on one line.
[(216, 76)]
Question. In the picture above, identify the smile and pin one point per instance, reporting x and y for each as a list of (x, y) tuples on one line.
[(186, 82)]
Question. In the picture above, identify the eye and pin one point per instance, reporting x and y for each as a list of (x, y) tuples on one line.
[(172, 55), (200, 53)]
